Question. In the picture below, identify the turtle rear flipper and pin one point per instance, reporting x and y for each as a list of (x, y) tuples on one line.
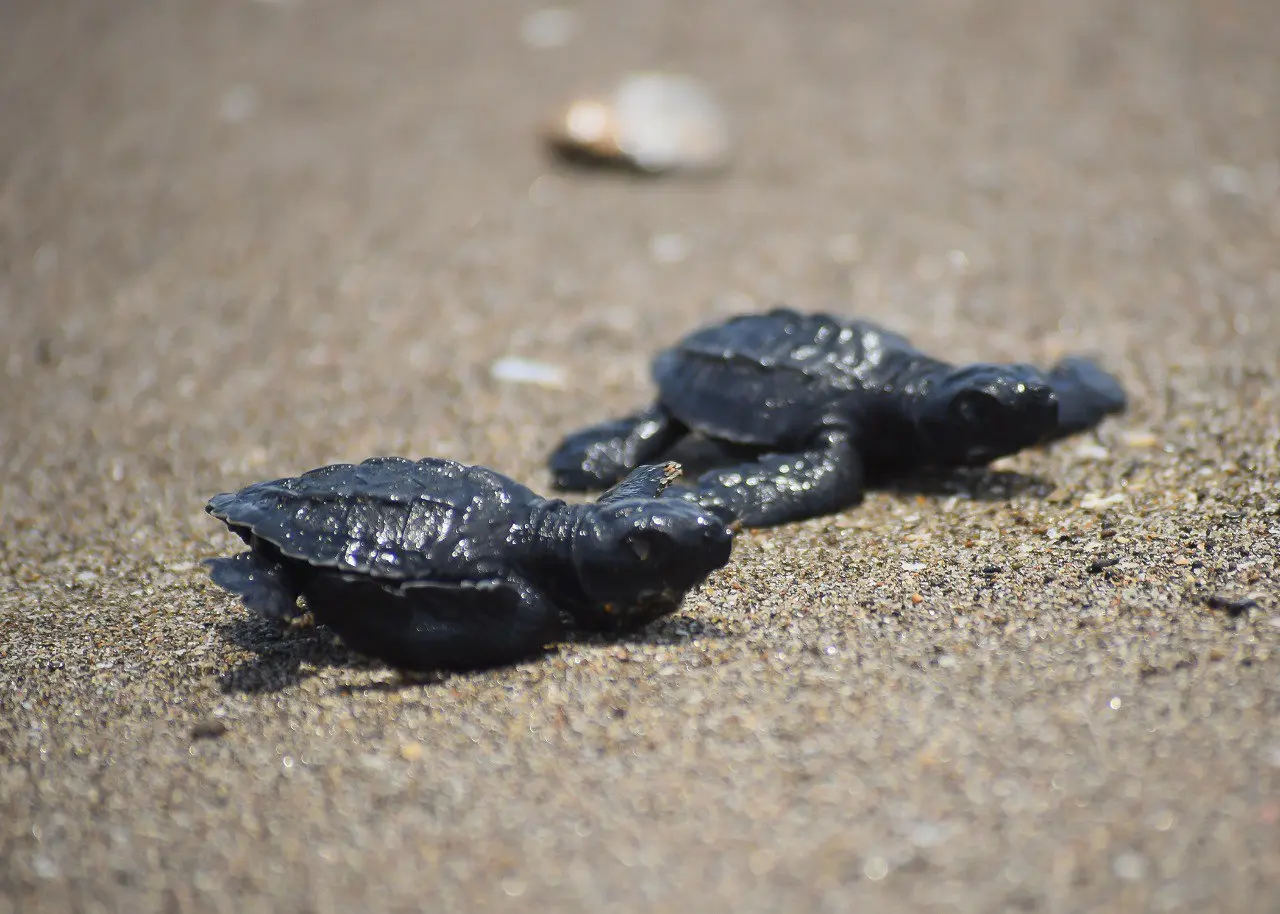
[(604, 454), (648, 481), (259, 582)]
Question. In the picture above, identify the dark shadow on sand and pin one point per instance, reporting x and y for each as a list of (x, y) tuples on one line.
[(660, 632), (981, 484), (284, 657), (280, 654), (571, 162)]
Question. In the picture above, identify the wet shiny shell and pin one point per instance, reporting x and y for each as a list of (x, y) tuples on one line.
[(388, 517)]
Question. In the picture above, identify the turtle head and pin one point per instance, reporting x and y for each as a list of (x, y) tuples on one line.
[(636, 558), (981, 412)]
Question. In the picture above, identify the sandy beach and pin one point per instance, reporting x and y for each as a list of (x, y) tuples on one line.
[(240, 239)]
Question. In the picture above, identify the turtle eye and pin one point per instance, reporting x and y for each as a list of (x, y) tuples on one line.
[(977, 408), (639, 547)]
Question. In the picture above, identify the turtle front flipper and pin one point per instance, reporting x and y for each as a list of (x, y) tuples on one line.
[(262, 584), (433, 625), (601, 455), (644, 482), (780, 488), (1086, 395)]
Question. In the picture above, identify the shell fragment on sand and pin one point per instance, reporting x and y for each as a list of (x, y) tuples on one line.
[(651, 122), (516, 370)]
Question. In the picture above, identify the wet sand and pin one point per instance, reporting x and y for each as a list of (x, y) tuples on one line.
[(241, 239)]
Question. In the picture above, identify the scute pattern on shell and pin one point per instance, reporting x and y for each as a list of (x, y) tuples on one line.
[(387, 517), (761, 379)]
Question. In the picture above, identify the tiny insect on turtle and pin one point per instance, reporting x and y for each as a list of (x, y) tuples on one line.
[(818, 406), (432, 564)]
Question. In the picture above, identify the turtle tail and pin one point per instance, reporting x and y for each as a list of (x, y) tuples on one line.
[(261, 583)]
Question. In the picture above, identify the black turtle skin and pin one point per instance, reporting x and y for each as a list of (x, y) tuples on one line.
[(810, 407), (432, 564)]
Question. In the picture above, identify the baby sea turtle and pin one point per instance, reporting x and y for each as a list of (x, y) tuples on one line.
[(437, 565), (815, 406)]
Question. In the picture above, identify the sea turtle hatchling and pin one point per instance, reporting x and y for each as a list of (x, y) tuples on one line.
[(436, 565), (807, 408)]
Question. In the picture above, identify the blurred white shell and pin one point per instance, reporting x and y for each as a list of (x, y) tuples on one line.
[(653, 122), (516, 370)]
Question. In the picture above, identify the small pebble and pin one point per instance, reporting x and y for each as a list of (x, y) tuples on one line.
[(1096, 502), (1141, 439), (1232, 607), (211, 728), (411, 752), (513, 887), (876, 869)]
